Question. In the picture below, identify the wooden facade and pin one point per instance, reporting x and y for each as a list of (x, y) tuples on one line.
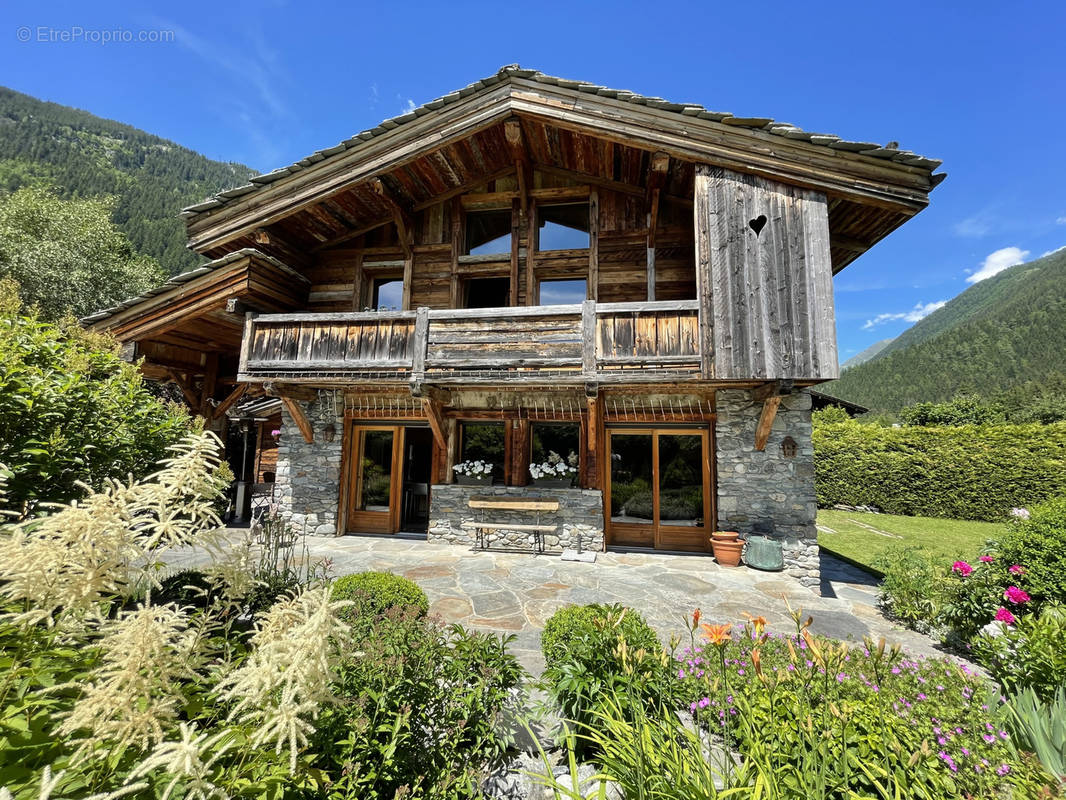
[(706, 246)]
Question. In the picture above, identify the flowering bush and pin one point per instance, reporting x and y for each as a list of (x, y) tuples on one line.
[(555, 466), (1027, 651), (910, 590), (1037, 542), (104, 696), (828, 719), (475, 469)]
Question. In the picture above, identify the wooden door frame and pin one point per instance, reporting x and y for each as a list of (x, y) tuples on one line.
[(704, 431), (371, 521)]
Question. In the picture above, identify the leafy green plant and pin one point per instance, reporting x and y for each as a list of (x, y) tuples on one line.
[(72, 413), (1028, 654), (424, 707), (585, 648), (1038, 545), (911, 590), (1039, 726)]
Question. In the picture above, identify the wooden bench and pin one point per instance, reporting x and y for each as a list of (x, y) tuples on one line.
[(485, 529)]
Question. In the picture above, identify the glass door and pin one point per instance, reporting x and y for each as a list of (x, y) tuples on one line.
[(375, 455), (659, 491)]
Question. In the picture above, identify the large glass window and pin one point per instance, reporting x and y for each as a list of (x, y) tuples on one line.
[(487, 293), (488, 232), (632, 478), (680, 480), (564, 227), (374, 471), (483, 441)]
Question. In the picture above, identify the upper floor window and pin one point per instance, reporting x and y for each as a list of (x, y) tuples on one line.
[(564, 227), (562, 292), (488, 232), (388, 294)]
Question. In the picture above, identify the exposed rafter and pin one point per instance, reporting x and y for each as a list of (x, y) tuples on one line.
[(400, 215), (512, 131)]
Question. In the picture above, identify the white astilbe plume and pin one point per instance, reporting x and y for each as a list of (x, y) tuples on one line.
[(80, 556), (133, 697), (288, 675), (235, 567), (50, 782), (183, 762)]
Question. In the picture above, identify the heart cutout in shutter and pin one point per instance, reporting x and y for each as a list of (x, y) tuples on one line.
[(757, 224)]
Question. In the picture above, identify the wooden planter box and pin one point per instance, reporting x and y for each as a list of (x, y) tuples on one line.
[(554, 483)]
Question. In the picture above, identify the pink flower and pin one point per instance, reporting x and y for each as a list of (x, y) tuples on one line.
[(1016, 595), (1020, 513), (1004, 616), (986, 559), (276, 432), (961, 568), (1016, 569)]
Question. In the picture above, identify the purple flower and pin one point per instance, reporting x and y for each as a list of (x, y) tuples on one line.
[(1002, 770)]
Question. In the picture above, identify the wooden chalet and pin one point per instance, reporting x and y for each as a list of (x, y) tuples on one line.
[(529, 266)]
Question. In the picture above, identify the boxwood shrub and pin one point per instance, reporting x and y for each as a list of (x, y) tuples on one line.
[(966, 472), (376, 593)]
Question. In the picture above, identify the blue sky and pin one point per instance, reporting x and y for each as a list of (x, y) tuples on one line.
[(979, 84)]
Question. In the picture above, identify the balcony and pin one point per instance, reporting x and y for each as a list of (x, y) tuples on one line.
[(574, 344)]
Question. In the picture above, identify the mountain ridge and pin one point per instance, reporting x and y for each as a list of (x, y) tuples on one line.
[(83, 155)]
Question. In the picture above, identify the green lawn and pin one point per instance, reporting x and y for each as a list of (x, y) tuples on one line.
[(863, 537)]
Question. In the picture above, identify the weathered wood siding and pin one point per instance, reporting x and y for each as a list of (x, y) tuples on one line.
[(765, 278)]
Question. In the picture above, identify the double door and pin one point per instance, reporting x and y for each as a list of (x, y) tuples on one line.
[(388, 474), (659, 488)]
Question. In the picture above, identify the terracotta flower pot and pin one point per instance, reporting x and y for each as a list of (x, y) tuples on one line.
[(728, 553), (724, 536)]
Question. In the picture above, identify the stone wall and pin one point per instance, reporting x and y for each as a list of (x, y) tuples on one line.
[(580, 517), (764, 492), (308, 474)]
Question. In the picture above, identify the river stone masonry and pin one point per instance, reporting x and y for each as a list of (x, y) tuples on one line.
[(308, 473), (765, 492), (579, 518)]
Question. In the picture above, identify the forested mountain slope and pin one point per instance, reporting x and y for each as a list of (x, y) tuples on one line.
[(1007, 330), (82, 155)]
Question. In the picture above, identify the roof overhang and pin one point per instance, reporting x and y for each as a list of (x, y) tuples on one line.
[(201, 296), (859, 173)]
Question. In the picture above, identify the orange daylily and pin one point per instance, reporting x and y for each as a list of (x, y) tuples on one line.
[(696, 618), (717, 634), (758, 623)]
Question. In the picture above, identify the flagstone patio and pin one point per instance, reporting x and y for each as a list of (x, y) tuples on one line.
[(515, 593)]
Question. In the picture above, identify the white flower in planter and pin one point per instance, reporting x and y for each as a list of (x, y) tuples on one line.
[(474, 469), (555, 467)]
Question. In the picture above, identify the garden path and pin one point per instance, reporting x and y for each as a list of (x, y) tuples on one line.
[(515, 593)]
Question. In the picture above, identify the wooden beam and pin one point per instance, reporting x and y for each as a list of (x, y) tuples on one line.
[(512, 131), (296, 411), (436, 420), (532, 245), (400, 215), (187, 391), (517, 215), (848, 243), (593, 288), (772, 388), (229, 400), (766, 421), (457, 250), (207, 392), (282, 390), (658, 165)]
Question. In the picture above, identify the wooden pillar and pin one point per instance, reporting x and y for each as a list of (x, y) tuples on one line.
[(704, 216), (516, 230), (594, 246), (532, 244)]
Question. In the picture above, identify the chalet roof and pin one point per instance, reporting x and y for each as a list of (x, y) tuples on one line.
[(888, 152), (185, 277)]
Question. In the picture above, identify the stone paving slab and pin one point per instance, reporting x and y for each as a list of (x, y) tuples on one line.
[(515, 593)]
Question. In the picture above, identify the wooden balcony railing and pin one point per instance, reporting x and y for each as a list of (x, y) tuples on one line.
[(587, 343)]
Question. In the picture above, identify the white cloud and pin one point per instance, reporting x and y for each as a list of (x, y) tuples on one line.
[(997, 262), (1049, 252), (1061, 221), (920, 311)]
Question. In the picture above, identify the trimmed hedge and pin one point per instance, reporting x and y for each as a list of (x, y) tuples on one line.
[(967, 472)]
